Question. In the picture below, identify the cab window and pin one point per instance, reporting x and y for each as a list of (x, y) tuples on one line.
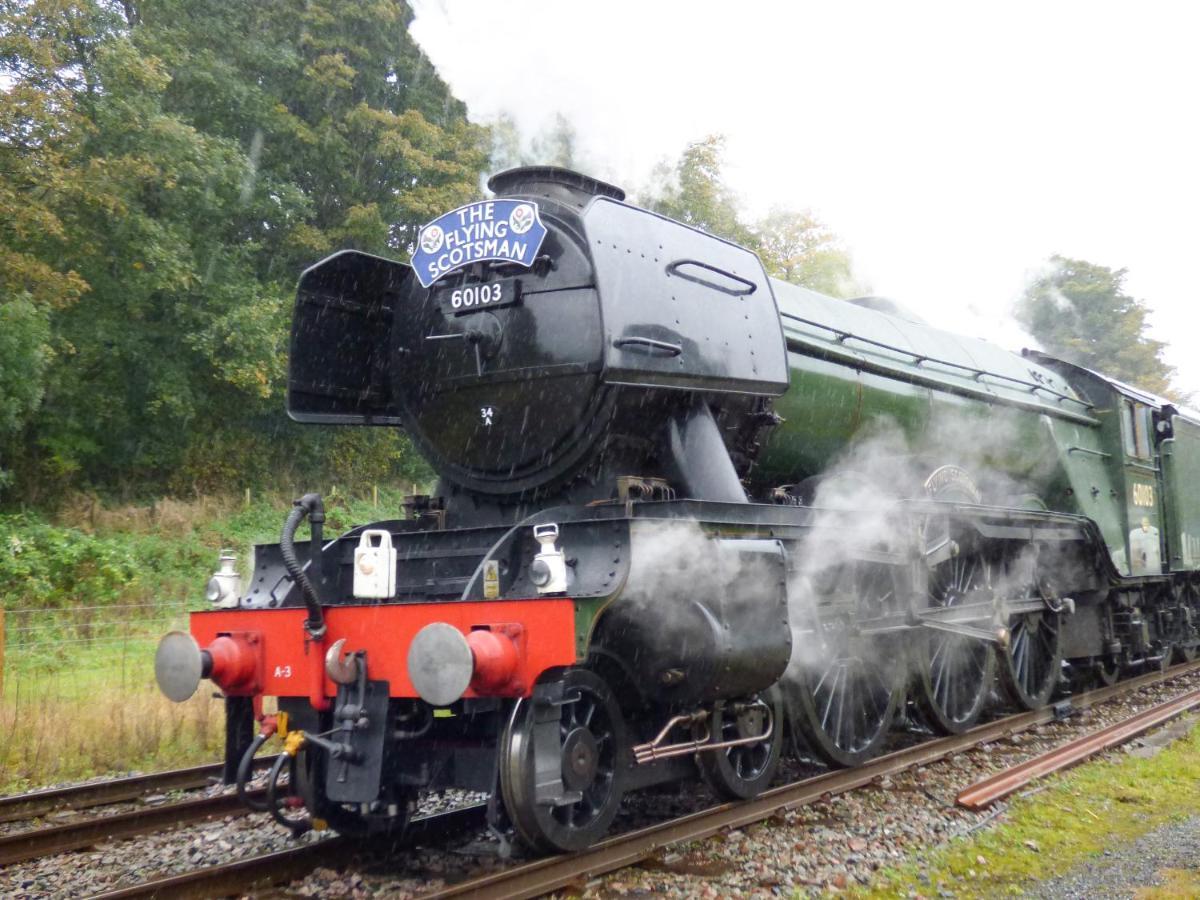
[(1135, 429)]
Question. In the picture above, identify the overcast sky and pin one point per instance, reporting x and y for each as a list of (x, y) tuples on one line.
[(952, 146)]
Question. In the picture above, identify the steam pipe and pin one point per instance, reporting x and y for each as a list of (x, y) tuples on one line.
[(699, 457), (310, 506)]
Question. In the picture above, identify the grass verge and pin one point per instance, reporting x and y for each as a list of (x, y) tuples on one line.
[(50, 735), (1092, 807), (88, 594)]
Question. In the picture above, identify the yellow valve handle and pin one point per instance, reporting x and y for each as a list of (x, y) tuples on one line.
[(293, 743)]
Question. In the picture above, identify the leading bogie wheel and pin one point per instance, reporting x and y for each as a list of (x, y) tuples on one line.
[(743, 771), (591, 757)]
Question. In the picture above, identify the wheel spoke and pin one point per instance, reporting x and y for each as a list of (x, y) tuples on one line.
[(570, 826), (839, 699), (877, 673), (939, 675), (850, 712), (824, 676)]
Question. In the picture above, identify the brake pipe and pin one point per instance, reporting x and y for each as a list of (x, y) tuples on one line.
[(309, 506), (247, 762), (292, 745), (312, 507)]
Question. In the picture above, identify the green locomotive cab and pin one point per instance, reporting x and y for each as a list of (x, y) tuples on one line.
[(1151, 449)]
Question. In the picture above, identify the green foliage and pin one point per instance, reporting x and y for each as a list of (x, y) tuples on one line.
[(162, 553), (1079, 310), (693, 191), (24, 333), (334, 101), (507, 151), (375, 455), (798, 247), (794, 246), (221, 459), (41, 129), (165, 272), (53, 567), (169, 168)]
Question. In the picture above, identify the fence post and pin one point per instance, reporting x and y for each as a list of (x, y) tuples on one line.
[(1, 651)]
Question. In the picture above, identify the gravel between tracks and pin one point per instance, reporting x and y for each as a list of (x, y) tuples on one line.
[(827, 846), (114, 864)]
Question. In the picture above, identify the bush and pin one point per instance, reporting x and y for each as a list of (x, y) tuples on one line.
[(50, 566)]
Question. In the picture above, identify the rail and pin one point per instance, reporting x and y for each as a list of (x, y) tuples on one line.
[(118, 790), (241, 876), (36, 843), (987, 791)]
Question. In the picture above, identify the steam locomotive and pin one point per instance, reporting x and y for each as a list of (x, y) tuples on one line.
[(689, 518)]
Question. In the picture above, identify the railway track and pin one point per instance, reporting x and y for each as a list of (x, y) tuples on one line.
[(33, 843), (118, 790), (541, 876)]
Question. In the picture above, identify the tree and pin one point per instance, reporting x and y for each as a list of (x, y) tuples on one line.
[(557, 145), (41, 130), (798, 247), (507, 151), (693, 191), (350, 132), (166, 271), (331, 99), (793, 246), (1079, 310), (186, 159)]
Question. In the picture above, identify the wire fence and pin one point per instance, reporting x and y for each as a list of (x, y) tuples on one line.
[(60, 651), (78, 698)]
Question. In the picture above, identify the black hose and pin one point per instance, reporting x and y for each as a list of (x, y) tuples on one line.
[(310, 506), (298, 825), (243, 774)]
